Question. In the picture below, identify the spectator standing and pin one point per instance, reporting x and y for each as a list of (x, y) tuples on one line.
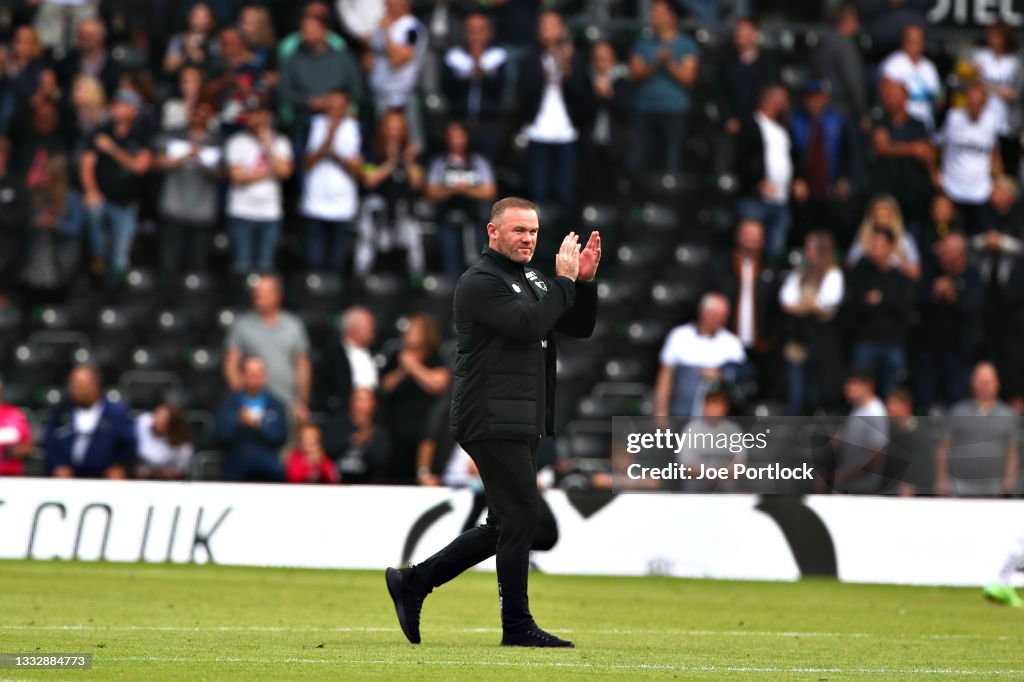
[(886, 22), (462, 184), (751, 285), (87, 435), (864, 437), (766, 170), (826, 155), (312, 74), (194, 45), (997, 253), (190, 160), (279, 339), (251, 425), (392, 178), (14, 213), (165, 447), (695, 356), (176, 112), (235, 80), (604, 142), (706, 451), (663, 67), (473, 81), (555, 104), (330, 186), (259, 160), (1000, 69), (112, 171), (950, 329), (21, 68), (879, 301), (347, 364), (743, 75), (911, 68), (257, 29), (970, 158), (52, 254), (308, 463), (904, 156), (838, 61), (979, 454), (90, 57), (291, 43), (398, 47), (411, 382), (57, 20), (15, 438), (910, 456), (810, 297)]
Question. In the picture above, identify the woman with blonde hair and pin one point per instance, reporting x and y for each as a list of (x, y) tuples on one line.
[(810, 296), (257, 30), (884, 213)]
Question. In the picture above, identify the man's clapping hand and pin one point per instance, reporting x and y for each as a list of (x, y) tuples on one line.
[(567, 261)]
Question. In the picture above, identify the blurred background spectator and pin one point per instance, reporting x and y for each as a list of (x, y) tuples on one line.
[(16, 441), (308, 463), (252, 427), (165, 447)]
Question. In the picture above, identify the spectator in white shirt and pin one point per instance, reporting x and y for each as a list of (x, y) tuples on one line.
[(1000, 69), (861, 445), (697, 356), (917, 73), (164, 439), (259, 160), (969, 145), (398, 48), (811, 296), (330, 192), (766, 169)]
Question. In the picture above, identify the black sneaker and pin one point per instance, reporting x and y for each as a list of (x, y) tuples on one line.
[(535, 637), (407, 603)]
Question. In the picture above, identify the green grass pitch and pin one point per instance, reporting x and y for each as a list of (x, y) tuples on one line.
[(187, 622)]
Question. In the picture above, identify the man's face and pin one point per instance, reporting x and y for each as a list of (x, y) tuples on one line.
[(855, 391), (897, 408), (750, 236), (816, 102), (602, 57), (515, 237), (985, 383), (880, 249), (551, 30), (913, 41), (122, 112), (266, 298), (661, 16), (744, 36), (83, 387), (362, 330), (477, 31), (313, 31), (714, 315), (254, 375), (893, 96), (90, 36), (976, 98)]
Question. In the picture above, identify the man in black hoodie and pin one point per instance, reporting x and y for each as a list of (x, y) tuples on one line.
[(879, 301), (506, 313)]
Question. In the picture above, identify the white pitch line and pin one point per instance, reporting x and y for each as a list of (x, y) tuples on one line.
[(587, 666), (609, 631)]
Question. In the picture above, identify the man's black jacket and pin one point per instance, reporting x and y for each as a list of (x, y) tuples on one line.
[(505, 318)]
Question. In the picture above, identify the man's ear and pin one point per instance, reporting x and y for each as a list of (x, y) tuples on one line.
[(492, 231)]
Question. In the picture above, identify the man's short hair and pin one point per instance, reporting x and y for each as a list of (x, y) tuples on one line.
[(902, 394), (862, 374), (710, 298), (499, 207), (348, 317)]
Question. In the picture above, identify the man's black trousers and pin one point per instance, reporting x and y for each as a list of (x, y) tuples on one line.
[(517, 521)]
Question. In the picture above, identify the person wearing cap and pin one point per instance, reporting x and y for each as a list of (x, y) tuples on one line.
[(259, 160), (112, 170), (824, 146)]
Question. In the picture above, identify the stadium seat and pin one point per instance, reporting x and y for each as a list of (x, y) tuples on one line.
[(615, 399), (206, 465), (141, 287), (202, 429), (587, 439), (54, 318), (646, 332), (204, 377), (675, 300), (144, 389), (628, 369), (32, 367), (321, 291), (602, 217), (115, 327)]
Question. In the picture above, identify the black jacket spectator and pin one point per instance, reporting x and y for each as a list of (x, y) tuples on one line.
[(576, 90), (887, 322)]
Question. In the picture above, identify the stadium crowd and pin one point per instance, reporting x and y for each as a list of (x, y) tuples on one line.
[(154, 150)]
